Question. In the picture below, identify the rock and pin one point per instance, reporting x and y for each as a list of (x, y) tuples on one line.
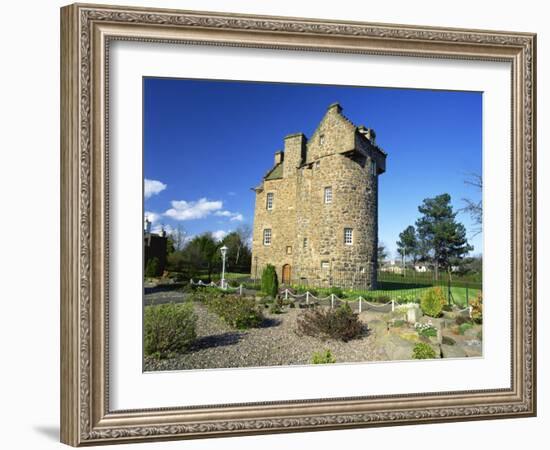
[(471, 333), (447, 340), (473, 351), (396, 348), (452, 351), (414, 314), (378, 327)]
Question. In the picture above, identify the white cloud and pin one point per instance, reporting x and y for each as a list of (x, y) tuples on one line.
[(183, 210), (152, 216), (231, 193), (158, 229), (219, 235), (152, 187), (233, 216)]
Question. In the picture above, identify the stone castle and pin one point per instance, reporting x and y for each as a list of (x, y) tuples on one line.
[(316, 214)]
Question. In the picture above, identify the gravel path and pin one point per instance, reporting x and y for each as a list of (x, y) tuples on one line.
[(274, 343)]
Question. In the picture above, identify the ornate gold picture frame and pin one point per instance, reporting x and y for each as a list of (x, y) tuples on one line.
[(87, 31)]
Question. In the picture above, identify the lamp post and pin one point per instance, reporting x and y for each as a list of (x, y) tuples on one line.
[(224, 252)]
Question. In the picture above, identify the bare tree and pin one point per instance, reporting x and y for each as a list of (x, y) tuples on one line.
[(474, 208), (179, 237), (245, 233)]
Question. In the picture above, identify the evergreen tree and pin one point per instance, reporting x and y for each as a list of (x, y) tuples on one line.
[(408, 245), (441, 233)]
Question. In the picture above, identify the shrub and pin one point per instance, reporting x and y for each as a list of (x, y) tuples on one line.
[(325, 357), (275, 308), (239, 312), (448, 340), (339, 323), (270, 282), (168, 329), (382, 299), (301, 289), (477, 308), (336, 291), (464, 327), (152, 269), (423, 351), (425, 329), (432, 302)]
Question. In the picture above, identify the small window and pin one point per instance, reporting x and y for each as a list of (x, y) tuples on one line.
[(325, 265), (269, 201), (321, 139), (373, 167), (289, 250), (305, 242), (317, 164), (348, 236), (328, 194), (267, 236)]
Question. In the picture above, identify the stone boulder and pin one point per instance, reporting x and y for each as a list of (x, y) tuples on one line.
[(452, 351)]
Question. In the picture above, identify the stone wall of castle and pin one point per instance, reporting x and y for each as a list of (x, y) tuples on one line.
[(307, 233)]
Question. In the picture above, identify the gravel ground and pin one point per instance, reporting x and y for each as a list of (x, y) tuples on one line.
[(274, 343)]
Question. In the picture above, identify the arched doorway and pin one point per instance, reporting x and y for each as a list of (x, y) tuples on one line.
[(286, 274)]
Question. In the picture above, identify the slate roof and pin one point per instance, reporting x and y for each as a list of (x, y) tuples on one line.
[(275, 173)]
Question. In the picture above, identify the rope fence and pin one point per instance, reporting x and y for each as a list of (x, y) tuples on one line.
[(358, 304)]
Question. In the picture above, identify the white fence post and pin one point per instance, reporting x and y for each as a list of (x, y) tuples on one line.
[(307, 297), (360, 307), (240, 289), (331, 301), (286, 294), (392, 305)]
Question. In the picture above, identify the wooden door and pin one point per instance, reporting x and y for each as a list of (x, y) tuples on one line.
[(286, 274)]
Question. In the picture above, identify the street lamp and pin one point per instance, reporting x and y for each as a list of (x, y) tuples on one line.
[(224, 252)]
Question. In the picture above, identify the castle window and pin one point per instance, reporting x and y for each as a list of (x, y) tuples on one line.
[(267, 236), (305, 242), (321, 139), (348, 236), (328, 194), (289, 250), (269, 201), (373, 167), (325, 265)]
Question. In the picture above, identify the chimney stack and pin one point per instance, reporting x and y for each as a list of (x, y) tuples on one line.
[(279, 156)]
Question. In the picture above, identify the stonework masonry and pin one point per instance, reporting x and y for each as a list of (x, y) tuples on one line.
[(320, 225)]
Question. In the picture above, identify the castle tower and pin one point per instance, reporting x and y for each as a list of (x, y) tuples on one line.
[(316, 215)]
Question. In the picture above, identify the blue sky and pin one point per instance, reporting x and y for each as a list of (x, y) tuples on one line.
[(206, 143)]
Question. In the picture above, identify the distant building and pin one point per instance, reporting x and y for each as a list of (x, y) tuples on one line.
[(316, 215), (154, 246), (421, 267)]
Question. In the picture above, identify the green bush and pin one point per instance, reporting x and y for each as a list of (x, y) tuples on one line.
[(423, 351), (340, 323), (336, 291), (325, 357), (270, 282), (152, 269), (464, 327), (168, 329), (239, 312), (477, 308), (432, 302), (275, 308), (425, 329), (302, 289)]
